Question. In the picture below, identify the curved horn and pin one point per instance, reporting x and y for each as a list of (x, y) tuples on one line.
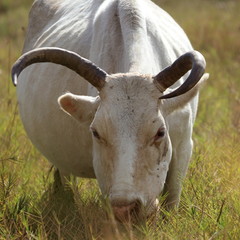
[(69, 59), (190, 60)]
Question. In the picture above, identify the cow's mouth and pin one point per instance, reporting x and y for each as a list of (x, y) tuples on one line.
[(134, 211), (128, 212)]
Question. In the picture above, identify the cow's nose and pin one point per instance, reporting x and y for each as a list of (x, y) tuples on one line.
[(127, 211)]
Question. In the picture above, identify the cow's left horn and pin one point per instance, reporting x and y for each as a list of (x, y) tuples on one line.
[(69, 59), (190, 60)]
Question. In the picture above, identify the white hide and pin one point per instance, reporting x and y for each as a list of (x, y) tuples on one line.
[(118, 36)]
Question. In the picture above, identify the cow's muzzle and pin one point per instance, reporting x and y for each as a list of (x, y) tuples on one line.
[(126, 211), (134, 211)]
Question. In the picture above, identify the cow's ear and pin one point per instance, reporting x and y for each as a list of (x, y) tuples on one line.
[(82, 108), (172, 104)]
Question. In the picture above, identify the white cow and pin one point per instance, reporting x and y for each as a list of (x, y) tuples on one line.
[(126, 124)]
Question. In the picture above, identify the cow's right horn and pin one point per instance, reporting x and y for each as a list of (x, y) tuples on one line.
[(69, 59)]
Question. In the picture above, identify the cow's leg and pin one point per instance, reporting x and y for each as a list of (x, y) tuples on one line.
[(60, 180), (180, 131), (177, 172)]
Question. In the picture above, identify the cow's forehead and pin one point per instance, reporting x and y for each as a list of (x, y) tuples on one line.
[(130, 87), (128, 103), (129, 96)]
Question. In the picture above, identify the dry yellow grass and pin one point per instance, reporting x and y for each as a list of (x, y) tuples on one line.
[(210, 206)]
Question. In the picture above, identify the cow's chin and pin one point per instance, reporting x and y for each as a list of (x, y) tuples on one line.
[(136, 213)]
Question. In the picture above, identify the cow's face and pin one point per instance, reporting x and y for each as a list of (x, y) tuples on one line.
[(131, 146)]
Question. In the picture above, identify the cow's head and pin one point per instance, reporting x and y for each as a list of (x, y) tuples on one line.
[(131, 145)]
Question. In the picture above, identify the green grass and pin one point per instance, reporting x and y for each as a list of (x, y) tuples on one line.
[(210, 205)]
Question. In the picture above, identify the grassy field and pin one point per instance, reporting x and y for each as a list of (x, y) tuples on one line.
[(210, 204)]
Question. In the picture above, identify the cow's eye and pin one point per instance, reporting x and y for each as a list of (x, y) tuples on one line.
[(95, 133), (159, 135)]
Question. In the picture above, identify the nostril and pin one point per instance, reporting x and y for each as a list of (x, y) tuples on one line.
[(124, 212)]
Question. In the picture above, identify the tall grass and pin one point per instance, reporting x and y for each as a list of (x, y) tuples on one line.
[(32, 208)]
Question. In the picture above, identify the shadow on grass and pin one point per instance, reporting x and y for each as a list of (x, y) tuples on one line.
[(61, 215), (68, 214)]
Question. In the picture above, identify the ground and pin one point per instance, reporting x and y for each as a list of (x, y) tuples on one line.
[(31, 208)]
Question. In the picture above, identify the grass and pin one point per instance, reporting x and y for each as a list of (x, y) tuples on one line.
[(210, 206)]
